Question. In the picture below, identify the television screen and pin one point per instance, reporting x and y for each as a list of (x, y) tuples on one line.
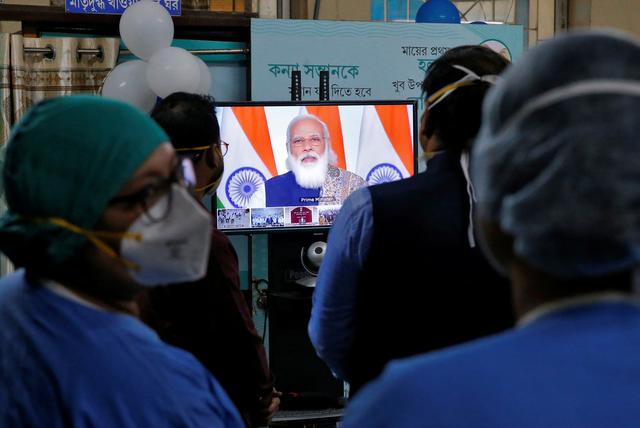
[(292, 165)]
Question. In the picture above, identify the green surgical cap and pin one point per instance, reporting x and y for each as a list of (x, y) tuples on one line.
[(67, 158)]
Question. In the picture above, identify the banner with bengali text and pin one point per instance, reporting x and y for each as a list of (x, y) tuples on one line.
[(365, 60), (116, 7)]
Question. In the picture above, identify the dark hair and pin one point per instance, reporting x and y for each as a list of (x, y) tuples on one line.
[(456, 120), (189, 119)]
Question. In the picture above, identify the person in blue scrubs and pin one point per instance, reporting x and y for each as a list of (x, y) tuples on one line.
[(556, 169), (98, 207)]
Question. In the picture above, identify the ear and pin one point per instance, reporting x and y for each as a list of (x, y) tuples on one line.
[(496, 245), (211, 157), (428, 144), (422, 133)]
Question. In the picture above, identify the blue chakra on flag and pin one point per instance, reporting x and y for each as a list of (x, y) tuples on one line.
[(383, 173), (242, 184)]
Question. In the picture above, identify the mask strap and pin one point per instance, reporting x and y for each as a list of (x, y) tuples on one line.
[(464, 164), (574, 90), (441, 94), (471, 75), (94, 236), (206, 187), (470, 78)]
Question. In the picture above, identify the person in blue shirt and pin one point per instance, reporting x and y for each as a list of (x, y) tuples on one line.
[(98, 207), (402, 273), (557, 175), (312, 179)]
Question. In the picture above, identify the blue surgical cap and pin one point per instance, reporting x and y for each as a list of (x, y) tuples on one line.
[(557, 160)]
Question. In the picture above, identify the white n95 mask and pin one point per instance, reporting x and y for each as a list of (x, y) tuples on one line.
[(173, 249)]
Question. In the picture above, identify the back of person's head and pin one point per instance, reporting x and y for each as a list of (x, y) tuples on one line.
[(65, 160), (189, 119), (556, 165), (455, 120)]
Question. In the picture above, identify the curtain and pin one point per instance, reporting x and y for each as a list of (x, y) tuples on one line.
[(5, 122), (26, 78), (5, 87), (35, 77)]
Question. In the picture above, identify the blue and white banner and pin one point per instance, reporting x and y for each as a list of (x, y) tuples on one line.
[(365, 60), (116, 7)]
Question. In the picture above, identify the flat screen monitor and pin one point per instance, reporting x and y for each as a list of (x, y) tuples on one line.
[(292, 165)]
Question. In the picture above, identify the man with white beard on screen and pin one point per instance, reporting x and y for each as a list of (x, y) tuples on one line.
[(312, 178)]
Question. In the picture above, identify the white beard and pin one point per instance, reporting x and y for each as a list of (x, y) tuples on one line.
[(309, 176)]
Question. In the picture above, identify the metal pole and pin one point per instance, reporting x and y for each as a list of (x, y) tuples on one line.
[(522, 18), (386, 10), (279, 9), (238, 51), (39, 50), (562, 15), (98, 51), (316, 10)]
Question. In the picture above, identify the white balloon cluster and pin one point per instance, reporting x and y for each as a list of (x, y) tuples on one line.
[(146, 29)]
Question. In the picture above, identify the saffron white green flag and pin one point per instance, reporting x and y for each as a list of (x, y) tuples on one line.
[(246, 131), (384, 154)]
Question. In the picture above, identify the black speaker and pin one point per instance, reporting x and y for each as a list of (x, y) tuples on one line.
[(299, 373)]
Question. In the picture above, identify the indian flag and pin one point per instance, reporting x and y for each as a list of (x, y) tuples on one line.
[(246, 131), (386, 146)]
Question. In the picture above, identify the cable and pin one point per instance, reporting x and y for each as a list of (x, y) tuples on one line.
[(506, 19), (264, 325), (484, 12)]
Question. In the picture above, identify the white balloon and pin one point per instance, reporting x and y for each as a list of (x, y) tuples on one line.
[(145, 28), (173, 70), (128, 82), (205, 77)]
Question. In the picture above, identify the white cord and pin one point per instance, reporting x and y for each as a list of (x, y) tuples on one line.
[(464, 164)]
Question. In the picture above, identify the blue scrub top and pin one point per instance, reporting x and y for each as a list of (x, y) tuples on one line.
[(63, 363)]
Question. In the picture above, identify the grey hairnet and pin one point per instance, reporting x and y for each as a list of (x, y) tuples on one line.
[(557, 161)]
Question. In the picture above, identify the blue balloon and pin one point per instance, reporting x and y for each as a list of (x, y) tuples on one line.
[(438, 11)]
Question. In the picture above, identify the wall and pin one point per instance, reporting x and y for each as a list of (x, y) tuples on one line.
[(541, 20), (621, 14), (579, 13), (361, 9), (539, 27), (351, 10)]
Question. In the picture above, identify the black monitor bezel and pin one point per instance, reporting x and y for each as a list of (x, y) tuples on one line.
[(252, 231)]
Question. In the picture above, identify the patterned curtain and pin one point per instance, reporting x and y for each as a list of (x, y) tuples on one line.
[(26, 78), (5, 87), (36, 77), (5, 121)]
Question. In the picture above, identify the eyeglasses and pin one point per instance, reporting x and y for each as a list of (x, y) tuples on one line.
[(183, 174), (313, 141), (200, 150), (224, 147)]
